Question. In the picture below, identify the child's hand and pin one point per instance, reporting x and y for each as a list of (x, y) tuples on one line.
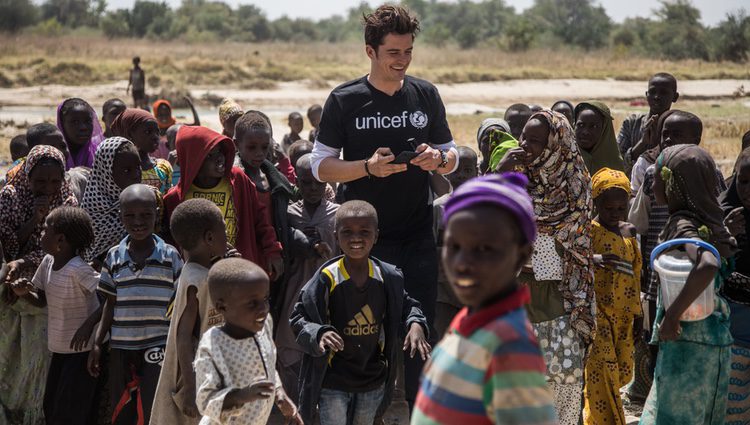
[(627, 230), (14, 269), (415, 340), (258, 390), (276, 268), (669, 329), (22, 287), (82, 336), (323, 250), (40, 207), (93, 365), (331, 340), (231, 252), (512, 159), (735, 221), (185, 401), (287, 408)]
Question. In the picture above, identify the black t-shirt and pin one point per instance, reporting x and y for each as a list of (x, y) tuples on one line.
[(359, 119), (357, 314)]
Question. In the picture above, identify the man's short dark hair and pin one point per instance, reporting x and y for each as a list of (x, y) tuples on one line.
[(388, 19), (192, 219), (37, 132)]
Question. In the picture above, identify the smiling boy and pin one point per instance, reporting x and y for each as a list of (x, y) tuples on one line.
[(371, 120)]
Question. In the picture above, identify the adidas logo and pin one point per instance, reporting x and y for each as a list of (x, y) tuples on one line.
[(363, 324)]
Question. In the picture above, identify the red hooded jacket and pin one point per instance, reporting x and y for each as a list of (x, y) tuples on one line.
[(256, 239)]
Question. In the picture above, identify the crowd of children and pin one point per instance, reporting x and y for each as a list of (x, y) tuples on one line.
[(167, 273)]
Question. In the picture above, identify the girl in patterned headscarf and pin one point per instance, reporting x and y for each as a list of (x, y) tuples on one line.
[(561, 278), (116, 166), (691, 378), (81, 130), (617, 288), (229, 111), (25, 201)]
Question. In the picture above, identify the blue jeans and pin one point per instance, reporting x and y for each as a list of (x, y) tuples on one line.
[(337, 406)]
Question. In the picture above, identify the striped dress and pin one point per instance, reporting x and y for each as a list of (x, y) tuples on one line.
[(488, 369)]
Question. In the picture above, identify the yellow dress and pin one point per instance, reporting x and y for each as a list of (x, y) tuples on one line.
[(610, 364)]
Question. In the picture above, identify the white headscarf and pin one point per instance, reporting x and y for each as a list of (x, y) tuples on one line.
[(102, 199)]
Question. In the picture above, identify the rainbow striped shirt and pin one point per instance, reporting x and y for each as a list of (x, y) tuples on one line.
[(488, 369)]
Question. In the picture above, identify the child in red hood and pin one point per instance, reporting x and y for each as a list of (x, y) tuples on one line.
[(205, 159)]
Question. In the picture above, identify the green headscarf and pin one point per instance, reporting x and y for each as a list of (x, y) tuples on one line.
[(500, 143), (605, 152)]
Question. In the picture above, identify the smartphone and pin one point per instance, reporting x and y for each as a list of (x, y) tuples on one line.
[(404, 157)]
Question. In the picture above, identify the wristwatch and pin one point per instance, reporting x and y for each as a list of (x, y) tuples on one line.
[(443, 159)]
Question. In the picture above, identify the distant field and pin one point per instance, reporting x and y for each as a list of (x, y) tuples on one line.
[(80, 60)]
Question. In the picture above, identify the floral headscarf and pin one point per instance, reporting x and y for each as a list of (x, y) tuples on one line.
[(229, 109), (85, 156), (102, 199), (607, 178), (691, 186), (560, 186), (16, 207)]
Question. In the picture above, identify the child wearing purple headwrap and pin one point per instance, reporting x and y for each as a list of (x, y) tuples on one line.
[(490, 228), (81, 130)]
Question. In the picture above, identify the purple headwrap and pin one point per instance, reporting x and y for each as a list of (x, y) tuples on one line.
[(506, 190), (85, 156)]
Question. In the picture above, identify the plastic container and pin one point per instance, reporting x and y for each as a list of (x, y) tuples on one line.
[(673, 268)]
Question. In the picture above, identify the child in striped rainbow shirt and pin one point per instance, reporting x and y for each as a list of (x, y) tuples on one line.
[(488, 369)]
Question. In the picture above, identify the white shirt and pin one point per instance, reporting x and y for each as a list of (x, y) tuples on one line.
[(71, 298), (223, 364)]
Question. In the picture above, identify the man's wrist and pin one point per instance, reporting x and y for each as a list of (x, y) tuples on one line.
[(367, 169)]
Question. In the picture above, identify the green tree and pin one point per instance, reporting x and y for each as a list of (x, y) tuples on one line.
[(144, 14), (17, 14), (520, 34), (73, 13), (679, 33), (116, 24), (576, 22), (252, 24), (732, 37)]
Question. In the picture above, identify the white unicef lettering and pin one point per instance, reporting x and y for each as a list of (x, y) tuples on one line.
[(418, 120)]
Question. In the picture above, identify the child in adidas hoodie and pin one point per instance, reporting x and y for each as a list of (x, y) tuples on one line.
[(348, 321)]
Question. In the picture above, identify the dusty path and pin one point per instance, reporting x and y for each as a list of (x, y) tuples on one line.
[(459, 98)]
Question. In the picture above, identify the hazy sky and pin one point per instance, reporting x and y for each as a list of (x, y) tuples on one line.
[(712, 11)]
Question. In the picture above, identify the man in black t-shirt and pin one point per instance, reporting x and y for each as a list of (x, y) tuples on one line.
[(372, 120)]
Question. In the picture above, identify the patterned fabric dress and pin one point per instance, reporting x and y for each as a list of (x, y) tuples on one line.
[(24, 357), (691, 379), (610, 365), (560, 186)]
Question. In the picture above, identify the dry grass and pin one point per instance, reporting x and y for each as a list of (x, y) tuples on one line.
[(33, 60)]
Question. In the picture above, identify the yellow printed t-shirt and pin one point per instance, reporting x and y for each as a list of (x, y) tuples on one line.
[(221, 195)]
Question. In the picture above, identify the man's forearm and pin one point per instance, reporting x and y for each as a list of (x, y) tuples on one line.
[(340, 171)]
